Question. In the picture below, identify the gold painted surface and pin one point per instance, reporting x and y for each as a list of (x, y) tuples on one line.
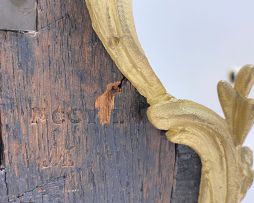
[(226, 164)]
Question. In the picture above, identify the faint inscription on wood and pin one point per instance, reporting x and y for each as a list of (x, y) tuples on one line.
[(59, 115), (59, 150)]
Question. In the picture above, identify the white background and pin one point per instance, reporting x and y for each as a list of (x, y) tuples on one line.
[(193, 44)]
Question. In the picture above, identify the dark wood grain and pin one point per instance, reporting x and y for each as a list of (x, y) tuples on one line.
[(187, 176), (53, 147)]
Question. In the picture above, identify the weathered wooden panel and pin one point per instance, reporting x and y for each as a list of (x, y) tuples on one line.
[(187, 176), (54, 148)]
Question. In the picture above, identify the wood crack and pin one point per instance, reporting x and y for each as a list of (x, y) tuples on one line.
[(66, 16), (40, 188), (1, 147), (6, 185)]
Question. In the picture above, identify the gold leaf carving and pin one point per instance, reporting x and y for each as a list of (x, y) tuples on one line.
[(226, 165)]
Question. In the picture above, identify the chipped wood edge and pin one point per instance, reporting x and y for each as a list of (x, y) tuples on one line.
[(226, 165)]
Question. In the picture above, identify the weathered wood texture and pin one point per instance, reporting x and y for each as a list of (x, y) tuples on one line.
[(187, 176), (52, 147)]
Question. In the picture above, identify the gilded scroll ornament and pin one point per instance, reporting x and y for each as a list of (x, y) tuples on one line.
[(226, 164)]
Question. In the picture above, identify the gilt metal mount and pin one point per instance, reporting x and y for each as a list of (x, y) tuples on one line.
[(226, 164)]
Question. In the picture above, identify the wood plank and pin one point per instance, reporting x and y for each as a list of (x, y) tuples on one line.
[(187, 176), (55, 150)]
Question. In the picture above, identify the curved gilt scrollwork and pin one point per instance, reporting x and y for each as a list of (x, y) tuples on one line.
[(226, 164)]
